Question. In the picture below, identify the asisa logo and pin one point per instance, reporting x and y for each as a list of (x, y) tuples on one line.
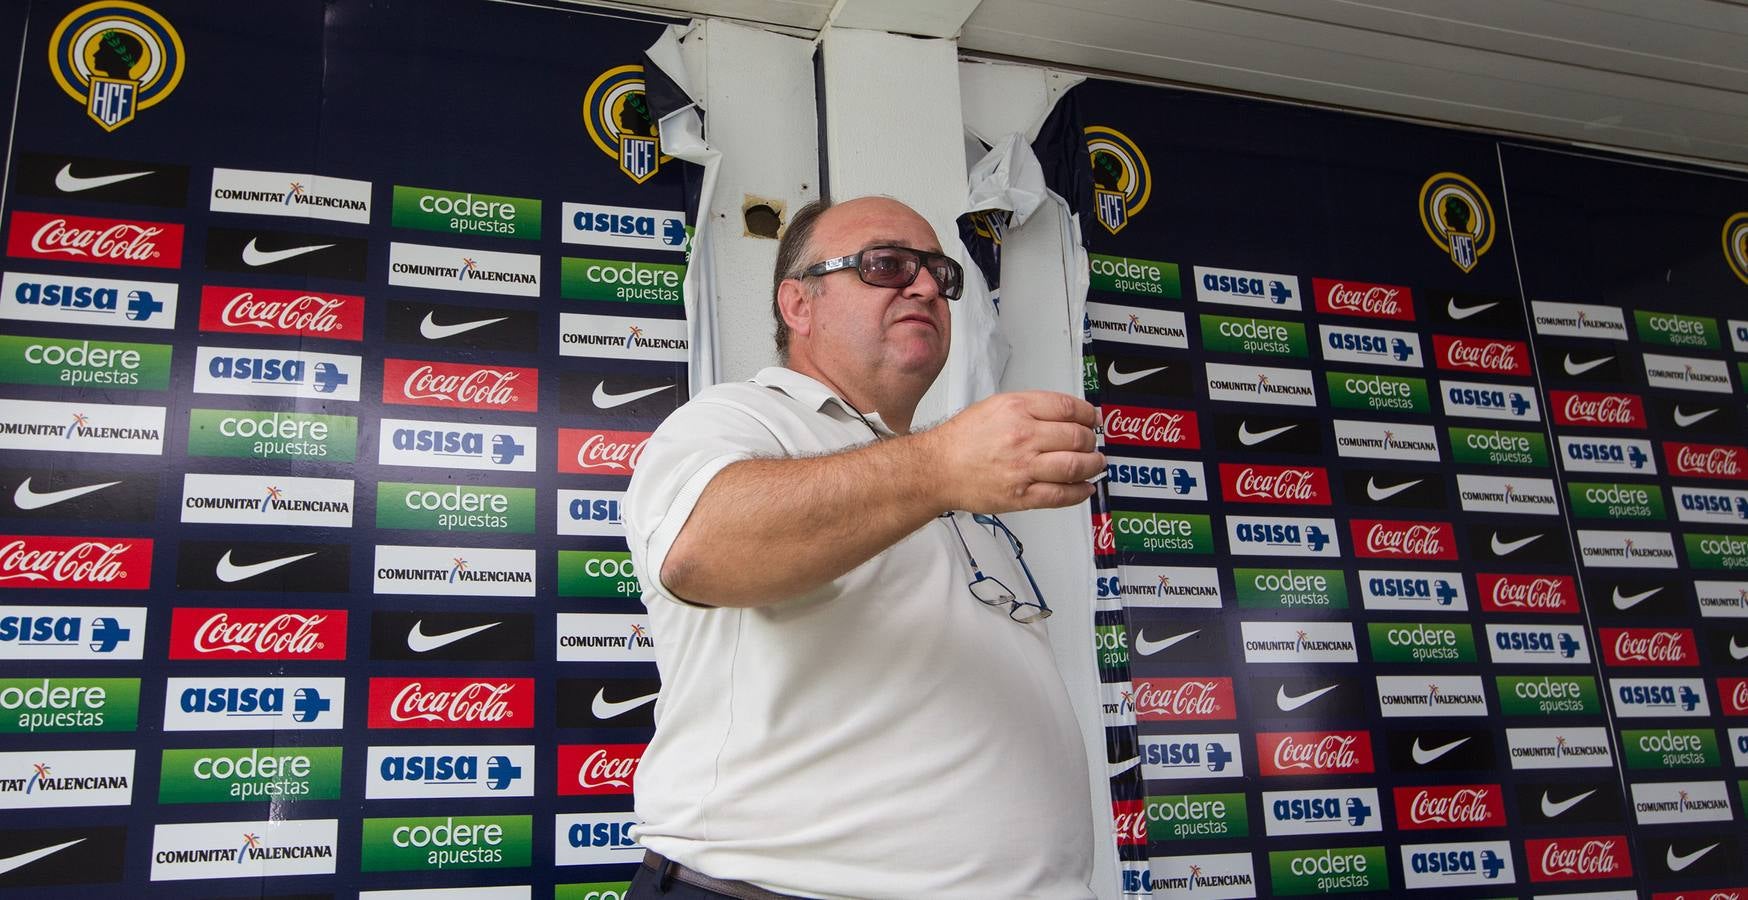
[(254, 704), (115, 59), (1322, 811), (84, 632), (407, 773), (1122, 182), (1451, 865), (449, 445), (87, 301), (1272, 535), (617, 115), (1457, 217), (1180, 756), (283, 373)]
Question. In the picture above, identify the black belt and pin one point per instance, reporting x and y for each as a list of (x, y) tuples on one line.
[(667, 868)]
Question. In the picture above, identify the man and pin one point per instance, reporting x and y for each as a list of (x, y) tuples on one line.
[(840, 716)]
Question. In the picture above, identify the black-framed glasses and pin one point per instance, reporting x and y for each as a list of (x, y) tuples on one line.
[(991, 590), (896, 267)]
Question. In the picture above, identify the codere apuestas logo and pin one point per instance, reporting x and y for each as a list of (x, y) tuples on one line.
[(620, 122), (1736, 244), (1457, 217), (116, 58), (1122, 182)]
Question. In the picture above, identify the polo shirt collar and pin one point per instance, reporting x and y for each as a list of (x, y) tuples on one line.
[(811, 393)]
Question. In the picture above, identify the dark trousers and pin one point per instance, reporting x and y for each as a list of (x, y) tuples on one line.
[(659, 883)]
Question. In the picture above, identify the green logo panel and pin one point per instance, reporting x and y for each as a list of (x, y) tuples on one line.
[(1716, 551), (1196, 816), (1343, 870), (1377, 393), (1548, 695), (620, 280), (1111, 642), (447, 843), (594, 890), (455, 507), (1497, 447), (1670, 748), (1606, 500), (1290, 588), (1236, 334), (272, 435), (1421, 642), (1136, 277), (1673, 330), (1148, 532), (457, 212), (55, 705), (244, 774), (66, 362), (596, 573)]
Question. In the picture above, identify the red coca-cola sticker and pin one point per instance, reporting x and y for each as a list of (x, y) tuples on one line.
[(227, 634), (75, 563), (1450, 806), (586, 451), (1172, 699), (1733, 695), (1649, 647), (88, 239), (1314, 752), (451, 703), (418, 382), (1596, 409), (1141, 426), (1527, 593), (1256, 483), (1395, 539), (1706, 460), (1104, 539), (1578, 858), (1729, 893), (1490, 355), (1346, 297), (1129, 819), (591, 769), (338, 317)]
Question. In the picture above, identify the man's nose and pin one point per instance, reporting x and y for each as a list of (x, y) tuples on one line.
[(924, 285)]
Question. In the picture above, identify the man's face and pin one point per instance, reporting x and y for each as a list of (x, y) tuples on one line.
[(905, 329)]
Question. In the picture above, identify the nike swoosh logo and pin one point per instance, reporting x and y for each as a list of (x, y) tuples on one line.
[(1381, 494), (604, 708), (229, 572), (1631, 600), (1424, 756), (25, 498), (68, 183), (1677, 863), (420, 642), (30, 856), (256, 257), (1463, 312), (604, 400), (1553, 809), (1683, 420), (1124, 766), (1737, 651), (432, 331), (1146, 647), (1578, 368), (1506, 548), (1287, 702), (1118, 379), (1251, 438)]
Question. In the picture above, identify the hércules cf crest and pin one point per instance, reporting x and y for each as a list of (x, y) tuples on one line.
[(620, 122), (1736, 244), (1457, 217), (116, 58), (1121, 180)]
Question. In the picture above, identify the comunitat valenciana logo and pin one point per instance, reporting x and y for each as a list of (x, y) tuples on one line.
[(1457, 217), (1122, 182), (1736, 244), (116, 58), (620, 122)]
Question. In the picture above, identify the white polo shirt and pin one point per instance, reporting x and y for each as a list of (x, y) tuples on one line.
[(886, 735)]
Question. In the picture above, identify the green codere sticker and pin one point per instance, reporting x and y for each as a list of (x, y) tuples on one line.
[(1675, 330), (596, 573), (1716, 551), (1342, 870), (272, 435), (447, 843), (244, 774), (1137, 277), (1421, 642), (33, 705), (1111, 643), (1089, 375), (1195, 816), (1670, 748), (594, 890), (1150, 532), (1498, 447), (1548, 695), (66, 362), (464, 212), (1239, 334), (1290, 588), (1610, 500), (1377, 393), (621, 281), (455, 507)]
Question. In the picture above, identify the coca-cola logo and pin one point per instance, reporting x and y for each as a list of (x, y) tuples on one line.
[(60, 562), (1528, 593), (1184, 698), (1707, 460), (1410, 540), (1151, 427), (1328, 753), (1735, 694), (1129, 821), (1601, 410), (1561, 859), (266, 311), (96, 240), (1456, 806), (590, 452), (258, 634), (1650, 647), (1381, 301), (469, 387), (1275, 484), (598, 768), (1497, 357), (1104, 539), (451, 702)]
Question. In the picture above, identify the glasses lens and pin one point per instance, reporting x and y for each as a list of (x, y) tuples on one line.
[(888, 267), (1027, 613), (991, 591), (948, 275)]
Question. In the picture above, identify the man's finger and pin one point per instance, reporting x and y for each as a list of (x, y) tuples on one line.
[(1051, 406), (1052, 496), (1065, 466), (1074, 436)]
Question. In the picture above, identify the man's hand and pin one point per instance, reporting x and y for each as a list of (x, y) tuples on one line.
[(1025, 450)]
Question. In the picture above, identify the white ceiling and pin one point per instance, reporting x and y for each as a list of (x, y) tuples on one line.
[(1664, 76)]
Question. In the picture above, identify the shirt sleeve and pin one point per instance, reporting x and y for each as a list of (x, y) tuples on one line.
[(697, 441)]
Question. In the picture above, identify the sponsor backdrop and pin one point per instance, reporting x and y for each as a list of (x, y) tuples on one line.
[(1422, 557), (329, 336)]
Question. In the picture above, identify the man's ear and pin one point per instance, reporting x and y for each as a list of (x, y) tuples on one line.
[(796, 303)]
